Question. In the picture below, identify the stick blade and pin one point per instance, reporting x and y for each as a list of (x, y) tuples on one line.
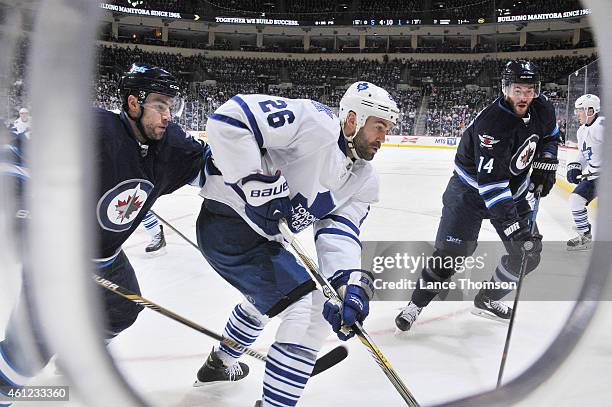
[(330, 359)]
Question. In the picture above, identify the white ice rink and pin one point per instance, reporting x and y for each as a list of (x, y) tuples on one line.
[(448, 354)]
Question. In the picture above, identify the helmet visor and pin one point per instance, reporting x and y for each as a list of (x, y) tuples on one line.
[(520, 90), (172, 107)]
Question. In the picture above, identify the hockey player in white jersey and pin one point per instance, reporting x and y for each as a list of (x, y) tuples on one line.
[(294, 159), (585, 169)]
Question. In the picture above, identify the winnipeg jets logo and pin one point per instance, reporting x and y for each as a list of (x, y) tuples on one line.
[(527, 155), (487, 141), (120, 205), (522, 158), (126, 208), (362, 86)]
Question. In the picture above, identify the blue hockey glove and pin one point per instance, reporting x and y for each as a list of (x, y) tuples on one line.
[(267, 200), (356, 287), (543, 175), (573, 171), (521, 239)]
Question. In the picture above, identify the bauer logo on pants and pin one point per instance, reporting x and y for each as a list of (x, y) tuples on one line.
[(120, 205), (523, 157)]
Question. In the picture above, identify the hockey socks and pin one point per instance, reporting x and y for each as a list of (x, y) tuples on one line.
[(582, 221), (288, 369), (242, 329), (151, 223)]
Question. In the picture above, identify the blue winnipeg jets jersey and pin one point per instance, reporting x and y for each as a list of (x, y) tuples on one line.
[(496, 151), (130, 180)]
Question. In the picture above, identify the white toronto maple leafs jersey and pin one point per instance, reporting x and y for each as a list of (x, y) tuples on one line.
[(300, 138), (590, 146)]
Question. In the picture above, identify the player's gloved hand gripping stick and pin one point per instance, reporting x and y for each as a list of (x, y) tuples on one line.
[(333, 296)]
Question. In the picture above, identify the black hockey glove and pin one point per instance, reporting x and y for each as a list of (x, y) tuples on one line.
[(574, 170), (543, 175), (521, 239)]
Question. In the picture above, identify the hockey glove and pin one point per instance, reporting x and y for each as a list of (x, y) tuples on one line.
[(356, 287), (267, 200), (573, 171), (520, 238), (543, 175)]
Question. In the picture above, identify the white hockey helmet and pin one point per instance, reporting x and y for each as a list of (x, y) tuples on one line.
[(587, 101), (367, 99)]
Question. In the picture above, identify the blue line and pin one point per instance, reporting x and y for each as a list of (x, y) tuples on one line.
[(251, 118), (492, 190), (345, 221), (283, 379), (273, 403), (283, 393), (295, 370), (228, 120), (294, 357), (495, 182), (244, 319), (492, 204), (334, 231), (237, 331)]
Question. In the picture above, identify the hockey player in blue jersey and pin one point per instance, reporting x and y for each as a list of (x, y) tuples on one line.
[(584, 170), (491, 179), (141, 155), (294, 159)]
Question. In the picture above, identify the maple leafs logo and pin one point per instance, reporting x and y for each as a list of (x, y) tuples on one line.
[(362, 86), (126, 208)]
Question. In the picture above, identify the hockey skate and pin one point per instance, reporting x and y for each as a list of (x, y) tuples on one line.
[(157, 242), (406, 318), (214, 371), (491, 309), (580, 242)]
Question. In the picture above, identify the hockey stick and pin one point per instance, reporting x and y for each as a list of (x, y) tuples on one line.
[(323, 363), (331, 358), (165, 222), (502, 365), (332, 295), (587, 175)]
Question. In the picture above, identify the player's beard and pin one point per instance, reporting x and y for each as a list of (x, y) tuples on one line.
[(515, 107), (362, 147), (153, 132)]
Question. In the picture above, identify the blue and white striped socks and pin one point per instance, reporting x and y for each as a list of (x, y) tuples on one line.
[(581, 220), (151, 224), (242, 329), (288, 369)]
